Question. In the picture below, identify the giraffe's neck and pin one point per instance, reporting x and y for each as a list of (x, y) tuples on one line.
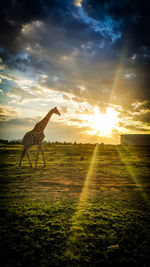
[(42, 124)]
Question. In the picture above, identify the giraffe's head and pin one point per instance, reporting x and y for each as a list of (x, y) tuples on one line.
[(55, 110)]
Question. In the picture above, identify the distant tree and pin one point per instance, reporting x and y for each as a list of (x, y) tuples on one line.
[(3, 141), (15, 141)]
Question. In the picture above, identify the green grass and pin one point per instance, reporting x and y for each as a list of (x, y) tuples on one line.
[(44, 222)]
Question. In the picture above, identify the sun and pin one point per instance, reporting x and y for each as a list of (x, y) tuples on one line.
[(103, 124)]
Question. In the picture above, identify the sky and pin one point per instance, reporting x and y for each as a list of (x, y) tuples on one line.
[(89, 58)]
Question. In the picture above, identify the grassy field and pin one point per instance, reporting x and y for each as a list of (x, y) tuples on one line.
[(90, 206)]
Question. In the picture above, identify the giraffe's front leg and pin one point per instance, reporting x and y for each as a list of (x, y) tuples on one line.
[(43, 155)]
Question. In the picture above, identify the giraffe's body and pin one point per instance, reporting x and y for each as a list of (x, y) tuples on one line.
[(33, 138), (36, 136)]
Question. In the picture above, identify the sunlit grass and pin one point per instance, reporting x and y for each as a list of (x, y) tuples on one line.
[(84, 209)]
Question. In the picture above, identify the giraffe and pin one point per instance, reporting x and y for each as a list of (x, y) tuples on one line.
[(35, 137)]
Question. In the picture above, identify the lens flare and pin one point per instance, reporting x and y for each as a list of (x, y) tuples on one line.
[(104, 123)]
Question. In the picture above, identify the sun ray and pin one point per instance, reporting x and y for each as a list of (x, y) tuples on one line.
[(82, 204), (89, 176), (118, 71), (86, 187), (129, 169)]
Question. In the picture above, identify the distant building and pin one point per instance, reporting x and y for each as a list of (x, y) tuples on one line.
[(135, 139)]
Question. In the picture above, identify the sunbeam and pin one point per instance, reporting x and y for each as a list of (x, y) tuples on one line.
[(86, 187), (77, 218), (118, 71), (129, 169), (87, 182)]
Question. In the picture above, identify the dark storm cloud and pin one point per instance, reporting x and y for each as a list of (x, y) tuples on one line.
[(81, 46), (132, 16), (16, 13), (134, 23)]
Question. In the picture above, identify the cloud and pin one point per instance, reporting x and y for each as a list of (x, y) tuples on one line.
[(63, 109), (66, 97), (78, 99), (70, 57), (54, 130), (143, 116), (60, 52), (78, 121), (7, 113), (135, 127), (20, 94), (141, 106)]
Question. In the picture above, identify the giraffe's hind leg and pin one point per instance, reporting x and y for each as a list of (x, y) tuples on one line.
[(37, 155), (27, 153), (21, 157), (43, 155)]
